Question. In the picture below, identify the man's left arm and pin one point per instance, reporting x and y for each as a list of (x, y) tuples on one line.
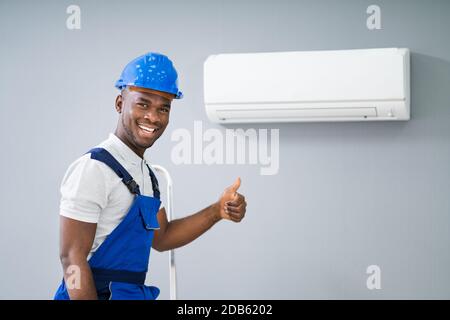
[(179, 232)]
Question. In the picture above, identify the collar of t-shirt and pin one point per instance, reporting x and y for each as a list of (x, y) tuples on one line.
[(124, 151)]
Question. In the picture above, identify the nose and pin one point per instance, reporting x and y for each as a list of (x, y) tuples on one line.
[(152, 115)]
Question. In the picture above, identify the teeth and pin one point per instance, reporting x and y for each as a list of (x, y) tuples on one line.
[(147, 129)]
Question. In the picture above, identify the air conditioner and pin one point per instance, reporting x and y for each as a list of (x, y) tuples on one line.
[(342, 85)]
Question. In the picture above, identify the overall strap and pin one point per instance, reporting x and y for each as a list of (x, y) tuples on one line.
[(155, 186), (104, 156)]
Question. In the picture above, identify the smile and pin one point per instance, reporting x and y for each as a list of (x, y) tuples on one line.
[(147, 129)]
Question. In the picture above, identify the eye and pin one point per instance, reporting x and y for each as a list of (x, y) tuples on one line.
[(142, 105), (165, 109)]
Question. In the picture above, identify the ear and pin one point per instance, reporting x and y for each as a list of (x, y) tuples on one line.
[(119, 103)]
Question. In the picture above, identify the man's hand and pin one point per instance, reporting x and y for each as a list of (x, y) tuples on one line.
[(232, 204)]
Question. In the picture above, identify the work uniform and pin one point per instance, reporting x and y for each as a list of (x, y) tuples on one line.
[(113, 187)]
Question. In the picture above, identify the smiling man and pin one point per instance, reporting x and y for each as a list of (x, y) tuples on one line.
[(110, 210)]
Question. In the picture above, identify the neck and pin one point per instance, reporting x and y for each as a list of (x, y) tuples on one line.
[(121, 134)]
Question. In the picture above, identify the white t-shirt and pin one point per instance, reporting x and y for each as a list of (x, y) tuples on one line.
[(92, 192)]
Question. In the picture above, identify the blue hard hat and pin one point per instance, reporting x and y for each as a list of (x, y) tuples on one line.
[(151, 71)]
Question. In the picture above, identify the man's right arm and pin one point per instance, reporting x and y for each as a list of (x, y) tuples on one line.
[(76, 238)]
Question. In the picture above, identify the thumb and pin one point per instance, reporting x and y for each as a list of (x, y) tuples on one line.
[(235, 186)]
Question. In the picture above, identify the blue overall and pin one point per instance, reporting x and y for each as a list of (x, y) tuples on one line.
[(120, 264)]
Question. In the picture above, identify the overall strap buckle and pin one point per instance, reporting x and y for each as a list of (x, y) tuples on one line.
[(132, 186)]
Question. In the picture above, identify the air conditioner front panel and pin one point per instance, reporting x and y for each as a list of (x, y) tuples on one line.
[(353, 78)]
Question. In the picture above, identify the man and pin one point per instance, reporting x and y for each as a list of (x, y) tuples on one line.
[(110, 208)]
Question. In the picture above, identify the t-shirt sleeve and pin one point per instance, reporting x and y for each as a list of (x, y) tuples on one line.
[(84, 191)]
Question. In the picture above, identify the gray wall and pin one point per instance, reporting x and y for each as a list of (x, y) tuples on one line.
[(347, 195)]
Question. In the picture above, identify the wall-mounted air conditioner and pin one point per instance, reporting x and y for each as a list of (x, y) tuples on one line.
[(342, 85)]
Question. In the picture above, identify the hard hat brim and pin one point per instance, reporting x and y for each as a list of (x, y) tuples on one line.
[(166, 95)]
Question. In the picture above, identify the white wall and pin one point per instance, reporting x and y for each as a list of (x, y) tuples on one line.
[(347, 195)]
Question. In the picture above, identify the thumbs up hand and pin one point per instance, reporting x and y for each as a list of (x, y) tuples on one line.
[(232, 205)]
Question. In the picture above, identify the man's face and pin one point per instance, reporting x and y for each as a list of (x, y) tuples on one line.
[(144, 116)]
